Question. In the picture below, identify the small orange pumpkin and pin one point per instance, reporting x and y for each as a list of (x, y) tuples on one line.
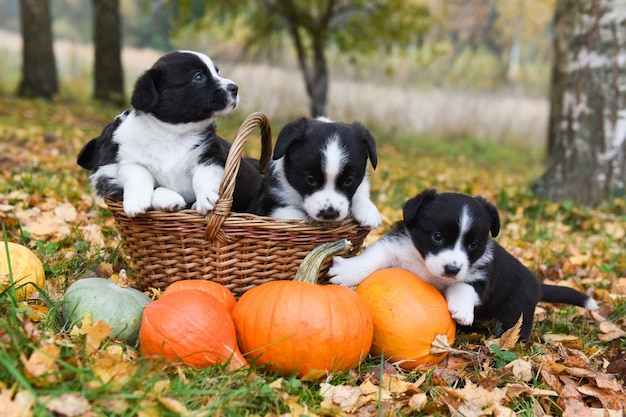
[(408, 314), (190, 326), (298, 327), (217, 290)]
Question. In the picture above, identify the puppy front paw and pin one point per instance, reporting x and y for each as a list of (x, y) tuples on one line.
[(167, 200), (367, 215), (137, 203), (462, 314), (344, 272), (206, 203)]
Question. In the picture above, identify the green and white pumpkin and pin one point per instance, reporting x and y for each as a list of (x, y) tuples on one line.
[(119, 306)]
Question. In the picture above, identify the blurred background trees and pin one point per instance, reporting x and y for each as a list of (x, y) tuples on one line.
[(107, 39), (587, 130), (314, 27), (39, 79)]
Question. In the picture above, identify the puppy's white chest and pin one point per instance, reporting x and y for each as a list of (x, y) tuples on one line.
[(170, 158)]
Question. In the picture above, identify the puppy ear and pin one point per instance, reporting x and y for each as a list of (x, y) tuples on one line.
[(369, 141), (412, 206), (492, 211), (145, 95), (87, 155), (291, 132)]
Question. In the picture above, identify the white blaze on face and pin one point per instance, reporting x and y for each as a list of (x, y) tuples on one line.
[(224, 82), (327, 198), (453, 262)]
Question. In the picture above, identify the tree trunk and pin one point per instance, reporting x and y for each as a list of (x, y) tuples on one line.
[(318, 90), (108, 73), (587, 137), (39, 71)]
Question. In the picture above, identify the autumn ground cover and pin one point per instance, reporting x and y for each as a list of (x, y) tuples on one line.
[(575, 364)]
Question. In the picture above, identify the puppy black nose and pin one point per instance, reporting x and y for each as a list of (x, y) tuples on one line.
[(451, 270), (233, 89), (328, 213)]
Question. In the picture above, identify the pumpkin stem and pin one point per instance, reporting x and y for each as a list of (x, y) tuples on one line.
[(310, 267), (122, 280)]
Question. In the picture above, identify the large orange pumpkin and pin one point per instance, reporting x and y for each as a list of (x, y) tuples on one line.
[(297, 327), (408, 314), (215, 289), (190, 326)]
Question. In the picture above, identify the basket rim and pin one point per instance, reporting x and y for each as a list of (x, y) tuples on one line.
[(234, 219)]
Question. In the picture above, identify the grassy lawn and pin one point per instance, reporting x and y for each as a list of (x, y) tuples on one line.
[(48, 368)]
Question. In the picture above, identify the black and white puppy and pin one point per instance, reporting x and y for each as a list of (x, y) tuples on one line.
[(319, 172), (444, 239), (164, 153)]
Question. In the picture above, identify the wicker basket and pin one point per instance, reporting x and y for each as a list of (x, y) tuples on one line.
[(238, 250)]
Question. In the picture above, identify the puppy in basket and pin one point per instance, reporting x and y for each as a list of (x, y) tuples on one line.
[(164, 153), (319, 172)]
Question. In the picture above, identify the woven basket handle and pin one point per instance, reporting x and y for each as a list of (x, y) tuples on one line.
[(216, 217)]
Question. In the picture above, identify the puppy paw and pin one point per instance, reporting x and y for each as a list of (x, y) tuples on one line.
[(345, 272), (367, 215), (461, 314), (137, 203), (289, 213), (167, 200), (205, 203)]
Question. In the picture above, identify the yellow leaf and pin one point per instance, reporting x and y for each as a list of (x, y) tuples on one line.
[(418, 401), (296, 409), (18, 405), (346, 396), (96, 335), (367, 387), (566, 340), (85, 325), (42, 368), (173, 405), (394, 383), (149, 408), (68, 405), (509, 338), (314, 375), (160, 387), (619, 286), (579, 259), (112, 370), (277, 384), (521, 370)]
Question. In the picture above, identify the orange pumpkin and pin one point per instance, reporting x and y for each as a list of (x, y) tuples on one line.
[(190, 326), (297, 327), (408, 314), (219, 291)]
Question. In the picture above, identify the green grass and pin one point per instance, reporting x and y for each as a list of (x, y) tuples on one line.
[(40, 141)]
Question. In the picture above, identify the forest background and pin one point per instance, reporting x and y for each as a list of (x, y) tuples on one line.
[(480, 62)]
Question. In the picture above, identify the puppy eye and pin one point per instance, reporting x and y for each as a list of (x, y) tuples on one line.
[(310, 180), (199, 77), (437, 237), (348, 181), (473, 245)]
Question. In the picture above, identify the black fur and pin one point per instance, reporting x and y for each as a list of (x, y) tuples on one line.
[(510, 289), (178, 89), (165, 91), (299, 145), (446, 239)]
